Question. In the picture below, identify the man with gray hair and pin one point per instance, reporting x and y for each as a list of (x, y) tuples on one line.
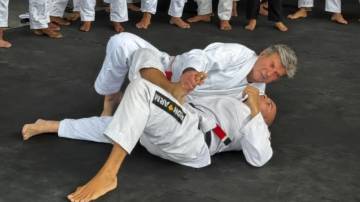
[(230, 67)]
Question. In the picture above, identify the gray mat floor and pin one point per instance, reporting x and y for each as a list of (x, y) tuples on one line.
[(315, 137)]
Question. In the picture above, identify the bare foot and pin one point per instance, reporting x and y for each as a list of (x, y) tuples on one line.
[(264, 9), (339, 18), (301, 13), (234, 11), (39, 127), (118, 27), (251, 25), (5, 44), (86, 26), (281, 26), (145, 21), (133, 7), (225, 25), (48, 32), (98, 186), (59, 21), (74, 16), (200, 18), (179, 22), (54, 26)]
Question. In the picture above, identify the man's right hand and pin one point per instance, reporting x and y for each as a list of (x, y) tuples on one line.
[(253, 100)]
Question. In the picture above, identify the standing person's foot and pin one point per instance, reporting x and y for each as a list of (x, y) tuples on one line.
[(86, 26), (281, 26), (74, 16), (200, 18), (133, 7), (339, 18), (5, 44), (234, 12), (145, 21), (301, 13), (48, 32), (54, 26), (59, 21), (251, 25), (118, 27), (264, 9), (179, 22), (225, 25)]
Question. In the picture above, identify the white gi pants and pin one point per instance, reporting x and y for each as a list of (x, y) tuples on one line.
[(224, 8), (333, 6), (58, 7), (118, 13), (4, 13), (39, 11), (176, 8), (149, 6), (119, 50), (139, 118)]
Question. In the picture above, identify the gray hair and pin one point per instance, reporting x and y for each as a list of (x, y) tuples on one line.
[(287, 56)]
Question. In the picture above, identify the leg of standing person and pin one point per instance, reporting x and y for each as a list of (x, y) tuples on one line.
[(275, 14), (40, 19), (175, 11), (4, 13), (225, 8), (118, 14), (204, 11), (57, 11), (87, 14), (132, 6), (148, 8), (252, 13), (75, 15), (304, 6), (234, 11), (334, 7)]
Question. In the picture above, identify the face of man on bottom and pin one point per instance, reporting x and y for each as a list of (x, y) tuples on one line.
[(267, 68), (268, 109)]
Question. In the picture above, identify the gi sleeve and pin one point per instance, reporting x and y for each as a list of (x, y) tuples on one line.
[(255, 142), (195, 59)]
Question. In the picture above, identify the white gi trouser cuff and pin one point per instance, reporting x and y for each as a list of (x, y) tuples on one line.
[(176, 8), (225, 9), (4, 13), (204, 7), (87, 10), (148, 6), (39, 14), (333, 6), (57, 8), (305, 3), (119, 11)]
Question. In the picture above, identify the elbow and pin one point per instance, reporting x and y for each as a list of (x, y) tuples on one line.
[(261, 158)]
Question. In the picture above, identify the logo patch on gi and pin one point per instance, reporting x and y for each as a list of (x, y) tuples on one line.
[(169, 106)]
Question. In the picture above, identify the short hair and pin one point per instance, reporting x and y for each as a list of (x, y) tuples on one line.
[(287, 56)]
